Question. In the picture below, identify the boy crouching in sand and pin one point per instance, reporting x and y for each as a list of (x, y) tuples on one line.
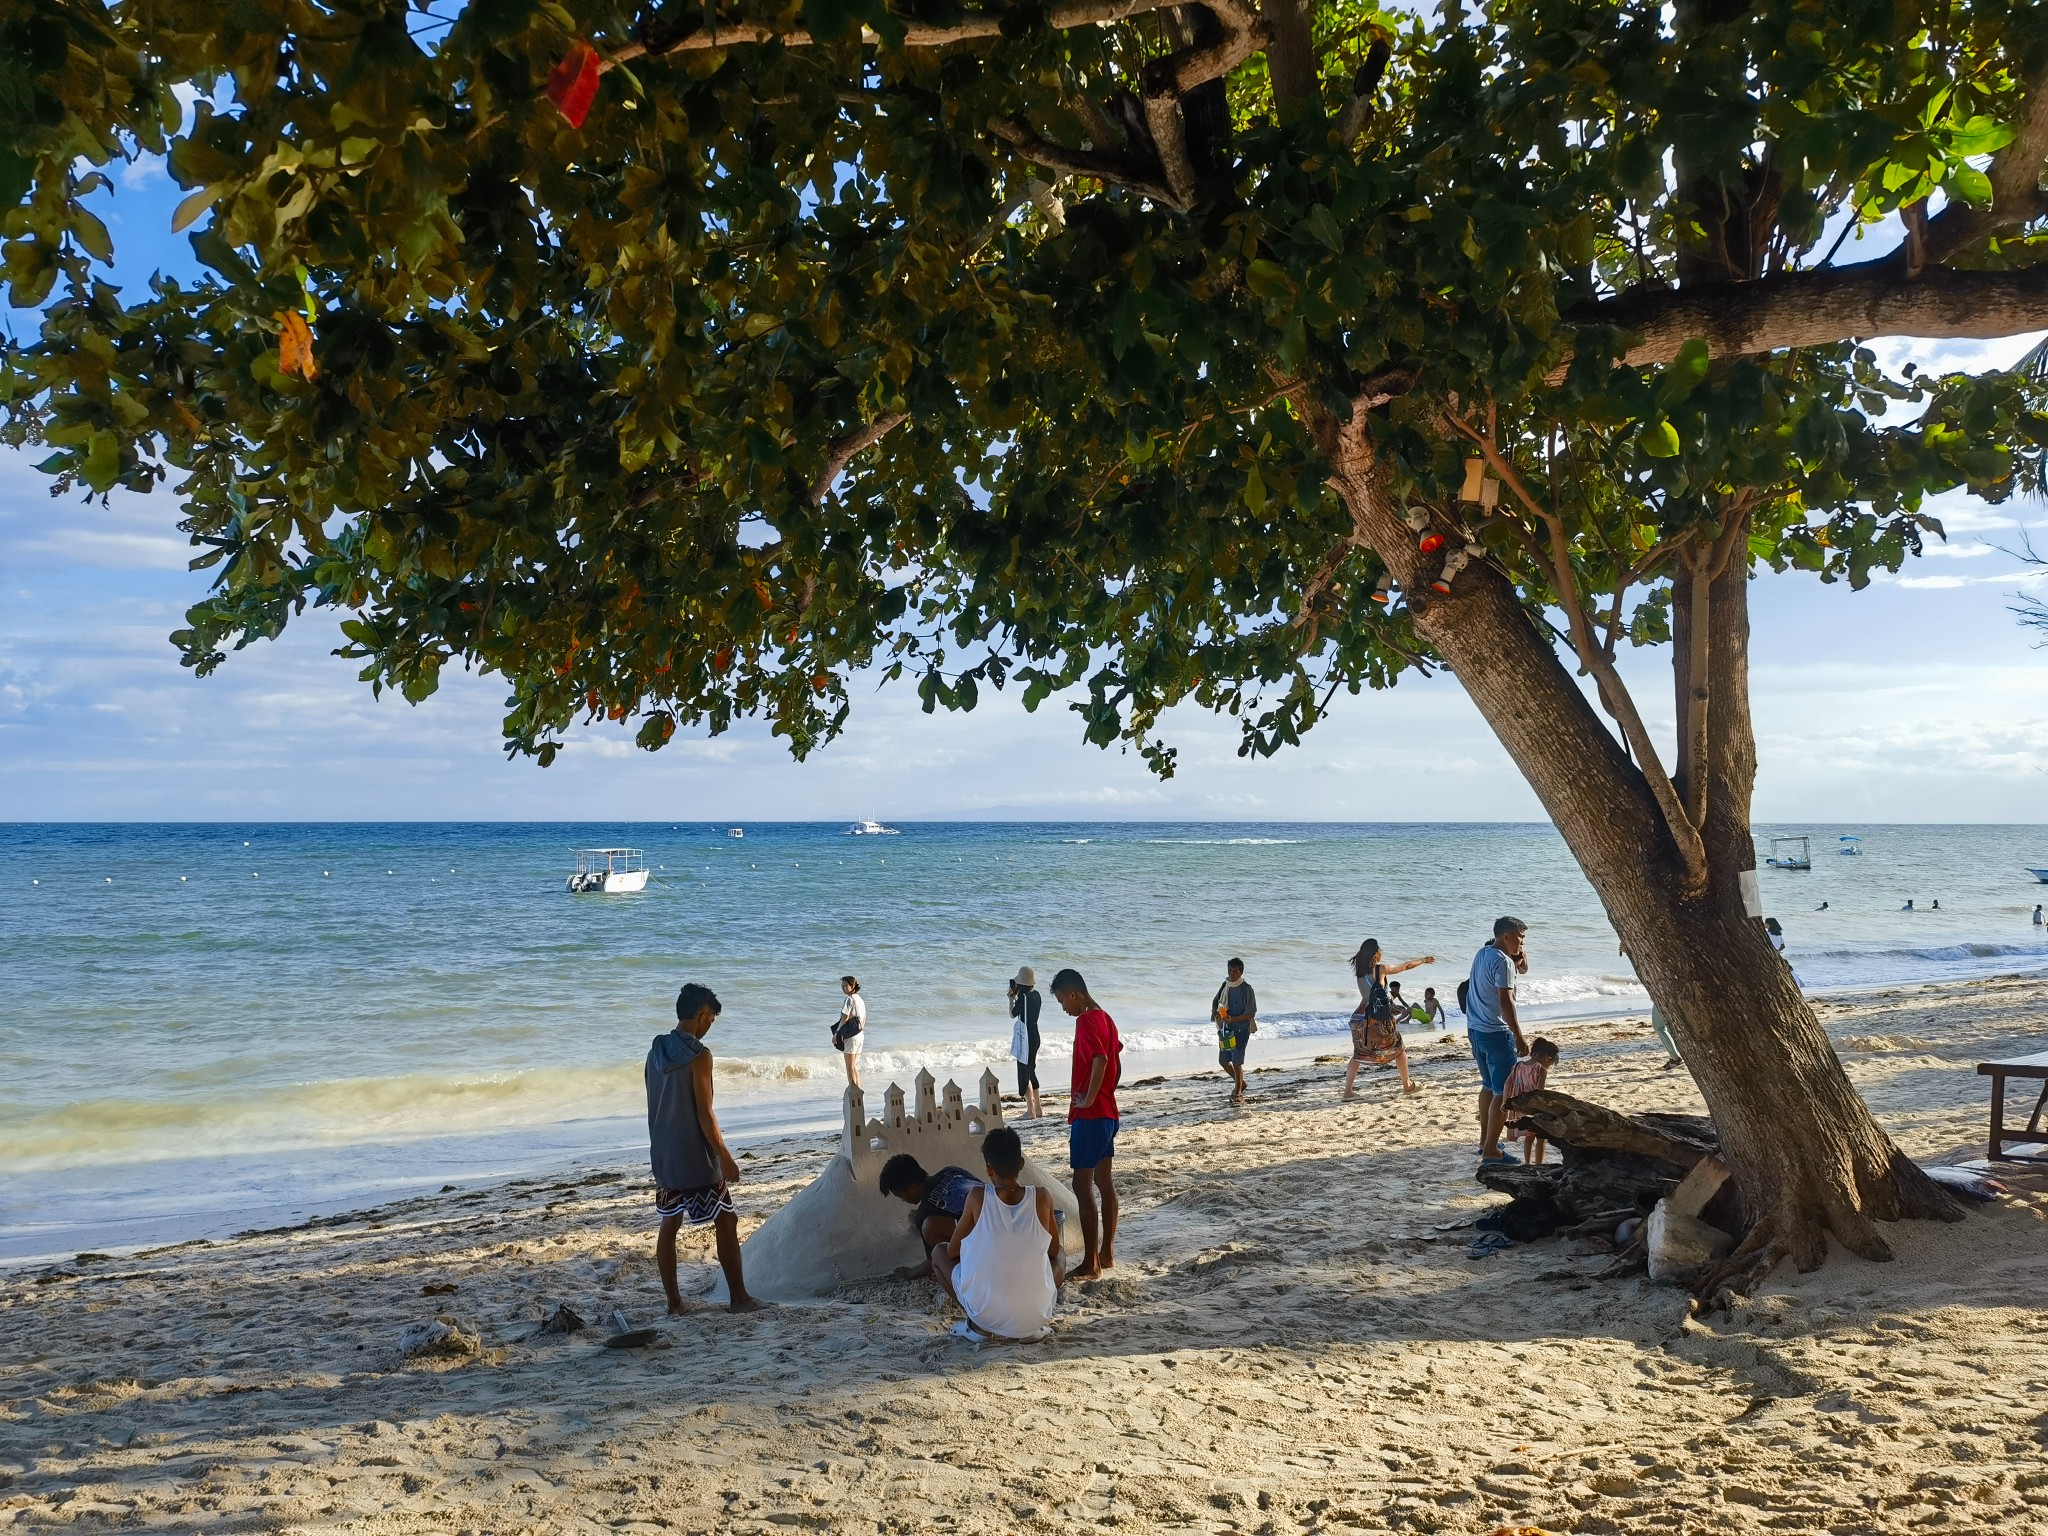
[(1002, 1263), (692, 1164), (938, 1200), (1527, 1077)]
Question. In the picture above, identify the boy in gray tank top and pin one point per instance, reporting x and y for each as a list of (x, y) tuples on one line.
[(692, 1164)]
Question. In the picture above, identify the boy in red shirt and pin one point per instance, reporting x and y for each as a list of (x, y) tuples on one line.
[(1092, 1119)]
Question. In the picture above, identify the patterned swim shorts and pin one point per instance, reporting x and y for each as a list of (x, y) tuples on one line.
[(698, 1207)]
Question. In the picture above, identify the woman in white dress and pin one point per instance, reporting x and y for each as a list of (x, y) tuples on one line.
[(852, 1028), (1003, 1263)]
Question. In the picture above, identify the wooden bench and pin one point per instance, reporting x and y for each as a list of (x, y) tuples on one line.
[(2029, 1068)]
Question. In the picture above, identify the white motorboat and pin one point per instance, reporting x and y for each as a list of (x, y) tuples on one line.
[(1852, 847), (871, 829), (609, 871), (736, 832)]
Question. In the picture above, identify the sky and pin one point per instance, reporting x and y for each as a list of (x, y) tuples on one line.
[(1920, 699)]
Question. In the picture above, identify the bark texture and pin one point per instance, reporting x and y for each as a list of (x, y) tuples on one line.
[(1812, 309), (1809, 1159)]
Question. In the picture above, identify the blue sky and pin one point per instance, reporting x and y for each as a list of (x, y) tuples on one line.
[(1919, 699)]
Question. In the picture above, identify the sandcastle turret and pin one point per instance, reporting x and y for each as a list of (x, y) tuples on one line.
[(841, 1227)]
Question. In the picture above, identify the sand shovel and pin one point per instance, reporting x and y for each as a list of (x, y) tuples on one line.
[(625, 1336)]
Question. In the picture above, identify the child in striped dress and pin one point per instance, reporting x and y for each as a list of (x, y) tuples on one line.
[(1527, 1076)]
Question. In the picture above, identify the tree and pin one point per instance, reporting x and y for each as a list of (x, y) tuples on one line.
[(676, 362)]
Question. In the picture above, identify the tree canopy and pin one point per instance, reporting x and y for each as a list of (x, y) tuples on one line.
[(1014, 345)]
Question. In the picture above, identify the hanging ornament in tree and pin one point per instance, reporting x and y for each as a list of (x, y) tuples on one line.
[(1475, 480), (572, 83)]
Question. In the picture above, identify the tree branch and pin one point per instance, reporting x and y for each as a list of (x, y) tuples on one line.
[(1614, 693), (842, 452), (1098, 165), (1810, 309), (1291, 60), (2015, 184), (1694, 689), (970, 28)]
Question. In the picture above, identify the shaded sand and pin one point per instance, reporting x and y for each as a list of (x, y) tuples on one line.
[(1289, 1344)]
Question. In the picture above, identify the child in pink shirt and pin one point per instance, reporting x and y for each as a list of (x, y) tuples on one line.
[(1527, 1076)]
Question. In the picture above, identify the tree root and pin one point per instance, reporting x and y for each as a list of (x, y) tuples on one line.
[(1798, 1228)]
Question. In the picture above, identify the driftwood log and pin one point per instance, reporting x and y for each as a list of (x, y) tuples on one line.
[(1610, 1166)]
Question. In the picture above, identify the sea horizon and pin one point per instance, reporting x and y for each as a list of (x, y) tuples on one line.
[(203, 1020)]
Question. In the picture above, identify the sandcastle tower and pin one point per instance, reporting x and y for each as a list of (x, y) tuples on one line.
[(841, 1227)]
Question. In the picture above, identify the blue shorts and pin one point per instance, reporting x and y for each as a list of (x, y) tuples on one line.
[(1090, 1142), (1495, 1053)]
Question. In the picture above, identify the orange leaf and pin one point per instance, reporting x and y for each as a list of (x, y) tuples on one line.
[(572, 83), (295, 346)]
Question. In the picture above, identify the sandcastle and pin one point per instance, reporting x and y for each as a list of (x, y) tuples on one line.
[(842, 1228)]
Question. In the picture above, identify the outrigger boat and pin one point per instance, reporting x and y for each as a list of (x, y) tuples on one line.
[(1797, 854), (608, 871)]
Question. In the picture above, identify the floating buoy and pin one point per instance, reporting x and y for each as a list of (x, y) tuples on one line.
[(324, 874), (110, 879), (183, 878), (255, 874), (35, 882)]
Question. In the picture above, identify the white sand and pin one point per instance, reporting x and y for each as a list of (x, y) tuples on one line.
[(1288, 1344)]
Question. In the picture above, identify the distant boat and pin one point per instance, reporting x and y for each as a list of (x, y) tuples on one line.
[(871, 829), (1791, 853), (2040, 875), (735, 832), (608, 871), (1851, 846)]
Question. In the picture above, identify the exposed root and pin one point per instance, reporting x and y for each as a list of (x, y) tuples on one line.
[(1799, 1230), (1745, 1269), (1916, 1197)]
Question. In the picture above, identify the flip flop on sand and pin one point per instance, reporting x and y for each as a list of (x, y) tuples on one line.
[(1486, 1246)]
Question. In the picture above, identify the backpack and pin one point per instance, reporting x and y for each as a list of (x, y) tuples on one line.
[(1379, 1007), (1464, 987)]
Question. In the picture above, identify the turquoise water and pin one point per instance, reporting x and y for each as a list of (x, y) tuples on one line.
[(204, 1026)]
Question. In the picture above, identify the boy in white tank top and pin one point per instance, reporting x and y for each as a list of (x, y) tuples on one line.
[(1003, 1263)]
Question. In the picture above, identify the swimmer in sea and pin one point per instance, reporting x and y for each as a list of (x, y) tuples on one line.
[(1822, 907), (1908, 906)]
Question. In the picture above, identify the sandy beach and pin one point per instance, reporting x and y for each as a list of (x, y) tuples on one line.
[(1294, 1340)]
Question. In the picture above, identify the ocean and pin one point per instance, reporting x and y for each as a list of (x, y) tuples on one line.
[(205, 1028)]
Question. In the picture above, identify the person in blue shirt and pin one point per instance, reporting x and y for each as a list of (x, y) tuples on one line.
[(1494, 1029)]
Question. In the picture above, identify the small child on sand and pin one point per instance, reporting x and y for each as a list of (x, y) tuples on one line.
[(1527, 1077), (1003, 1262), (937, 1198), (692, 1164)]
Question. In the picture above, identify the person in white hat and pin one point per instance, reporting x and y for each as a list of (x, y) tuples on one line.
[(1024, 1005)]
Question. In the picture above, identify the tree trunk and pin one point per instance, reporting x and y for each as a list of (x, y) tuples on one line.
[(1809, 1159)]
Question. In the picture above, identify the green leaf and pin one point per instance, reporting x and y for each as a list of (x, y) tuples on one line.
[(1268, 279), (1659, 439), (191, 206), (1970, 185), (1979, 136)]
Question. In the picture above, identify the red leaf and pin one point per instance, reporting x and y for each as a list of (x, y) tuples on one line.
[(572, 83)]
